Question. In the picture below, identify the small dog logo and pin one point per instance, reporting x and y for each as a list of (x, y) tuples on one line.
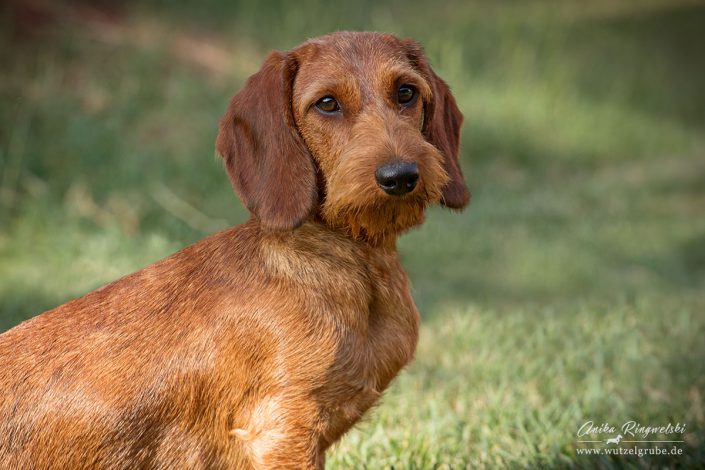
[(615, 440)]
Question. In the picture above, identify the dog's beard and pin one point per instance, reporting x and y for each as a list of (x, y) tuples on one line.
[(381, 218)]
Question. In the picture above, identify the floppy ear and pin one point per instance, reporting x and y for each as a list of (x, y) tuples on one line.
[(268, 163), (442, 124)]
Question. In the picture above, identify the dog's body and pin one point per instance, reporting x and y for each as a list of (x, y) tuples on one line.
[(204, 349), (259, 346)]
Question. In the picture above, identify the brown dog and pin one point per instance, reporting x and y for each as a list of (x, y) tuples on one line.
[(259, 346)]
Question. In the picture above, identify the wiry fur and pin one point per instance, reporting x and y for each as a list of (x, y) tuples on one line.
[(260, 346)]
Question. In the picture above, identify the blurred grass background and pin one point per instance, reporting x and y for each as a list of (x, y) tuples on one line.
[(571, 290)]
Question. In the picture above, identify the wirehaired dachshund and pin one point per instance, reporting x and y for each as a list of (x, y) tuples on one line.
[(259, 346)]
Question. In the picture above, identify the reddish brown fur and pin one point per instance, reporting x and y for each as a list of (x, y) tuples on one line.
[(260, 346)]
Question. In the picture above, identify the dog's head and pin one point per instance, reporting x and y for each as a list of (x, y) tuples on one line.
[(354, 128)]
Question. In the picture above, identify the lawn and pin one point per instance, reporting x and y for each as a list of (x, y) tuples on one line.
[(571, 290)]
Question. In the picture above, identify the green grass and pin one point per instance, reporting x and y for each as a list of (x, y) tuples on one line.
[(571, 289), (511, 388)]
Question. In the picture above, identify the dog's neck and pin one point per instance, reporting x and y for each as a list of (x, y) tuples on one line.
[(319, 237), (381, 241)]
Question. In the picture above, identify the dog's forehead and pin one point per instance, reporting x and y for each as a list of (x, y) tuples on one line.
[(361, 55)]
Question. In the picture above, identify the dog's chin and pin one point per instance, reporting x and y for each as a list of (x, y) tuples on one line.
[(380, 221)]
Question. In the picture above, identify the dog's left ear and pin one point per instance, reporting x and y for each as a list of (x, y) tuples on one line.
[(442, 124), (268, 163)]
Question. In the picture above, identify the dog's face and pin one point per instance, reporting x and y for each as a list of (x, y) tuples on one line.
[(353, 127)]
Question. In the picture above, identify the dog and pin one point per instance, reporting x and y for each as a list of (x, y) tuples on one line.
[(259, 346), (614, 440)]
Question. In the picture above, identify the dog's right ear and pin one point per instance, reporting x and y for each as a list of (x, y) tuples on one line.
[(268, 163)]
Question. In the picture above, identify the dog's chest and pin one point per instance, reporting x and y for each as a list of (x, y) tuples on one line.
[(363, 301), (361, 322), (377, 339), (363, 373)]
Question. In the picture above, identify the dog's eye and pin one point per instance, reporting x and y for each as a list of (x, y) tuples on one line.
[(328, 104), (406, 94)]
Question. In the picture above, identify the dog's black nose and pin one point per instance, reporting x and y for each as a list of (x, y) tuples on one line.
[(397, 178)]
